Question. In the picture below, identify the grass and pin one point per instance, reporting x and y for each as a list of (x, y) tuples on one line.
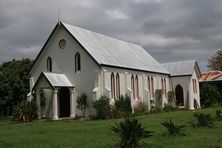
[(84, 134)]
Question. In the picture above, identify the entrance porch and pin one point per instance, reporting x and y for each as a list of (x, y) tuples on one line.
[(55, 96)]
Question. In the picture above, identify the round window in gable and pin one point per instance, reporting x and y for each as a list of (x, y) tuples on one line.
[(62, 43)]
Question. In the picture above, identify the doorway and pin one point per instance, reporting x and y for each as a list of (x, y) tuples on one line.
[(64, 102), (179, 96)]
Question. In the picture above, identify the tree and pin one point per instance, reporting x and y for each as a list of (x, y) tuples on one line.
[(215, 63), (14, 82), (82, 103)]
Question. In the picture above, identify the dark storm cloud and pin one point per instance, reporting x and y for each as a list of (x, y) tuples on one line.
[(170, 30)]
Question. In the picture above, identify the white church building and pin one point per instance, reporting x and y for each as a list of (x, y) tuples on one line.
[(75, 61)]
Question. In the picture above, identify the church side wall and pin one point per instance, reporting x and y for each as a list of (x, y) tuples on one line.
[(125, 82)]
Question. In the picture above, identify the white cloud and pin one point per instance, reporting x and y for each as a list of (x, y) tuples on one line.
[(116, 14), (161, 41)]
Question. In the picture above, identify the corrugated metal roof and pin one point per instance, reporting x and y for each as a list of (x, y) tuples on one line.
[(110, 51), (57, 80), (180, 68), (211, 75)]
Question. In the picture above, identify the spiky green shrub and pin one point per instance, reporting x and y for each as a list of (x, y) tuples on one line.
[(202, 120), (26, 111), (102, 108), (130, 132), (173, 129), (82, 103)]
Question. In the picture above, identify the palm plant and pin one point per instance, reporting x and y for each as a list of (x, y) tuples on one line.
[(130, 132), (173, 129), (82, 103), (202, 120)]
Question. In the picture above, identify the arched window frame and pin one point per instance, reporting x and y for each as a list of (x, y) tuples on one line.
[(113, 86), (117, 85), (137, 87), (162, 87), (132, 86), (165, 87), (49, 64), (148, 85), (152, 87), (77, 62), (193, 82)]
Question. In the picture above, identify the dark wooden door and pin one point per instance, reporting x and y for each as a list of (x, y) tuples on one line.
[(179, 96), (64, 102)]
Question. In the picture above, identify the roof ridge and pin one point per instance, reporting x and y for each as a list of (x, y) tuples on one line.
[(179, 62), (115, 38)]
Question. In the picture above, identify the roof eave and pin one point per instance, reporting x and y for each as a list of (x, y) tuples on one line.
[(114, 66)]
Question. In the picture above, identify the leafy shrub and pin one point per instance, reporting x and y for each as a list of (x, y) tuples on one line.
[(173, 129), (209, 95), (102, 107), (26, 111), (171, 96), (202, 120), (82, 103), (218, 114), (169, 108), (158, 97), (155, 109), (141, 109), (130, 132), (123, 104)]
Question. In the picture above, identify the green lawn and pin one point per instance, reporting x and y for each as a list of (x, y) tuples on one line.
[(74, 133)]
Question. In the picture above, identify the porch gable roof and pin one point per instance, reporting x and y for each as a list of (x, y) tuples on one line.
[(54, 80)]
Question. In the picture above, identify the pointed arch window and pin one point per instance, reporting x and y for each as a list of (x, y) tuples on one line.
[(152, 87), (165, 87), (49, 64), (162, 86), (117, 85), (77, 62), (132, 86), (148, 84), (112, 86), (137, 86), (195, 84)]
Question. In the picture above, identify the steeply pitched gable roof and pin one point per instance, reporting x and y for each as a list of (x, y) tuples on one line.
[(108, 51), (181, 68), (113, 52)]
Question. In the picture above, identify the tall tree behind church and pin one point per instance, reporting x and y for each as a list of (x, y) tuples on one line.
[(14, 83), (215, 63)]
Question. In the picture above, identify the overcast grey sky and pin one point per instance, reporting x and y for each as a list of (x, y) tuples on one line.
[(170, 30)]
